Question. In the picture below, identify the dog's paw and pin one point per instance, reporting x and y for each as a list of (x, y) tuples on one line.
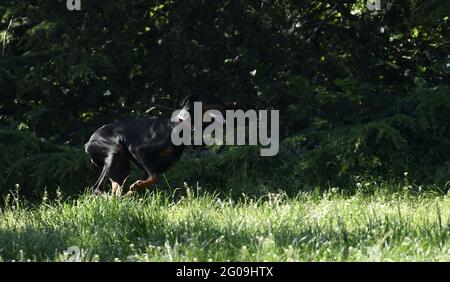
[(117, 193), (136, 185), (98, 192)]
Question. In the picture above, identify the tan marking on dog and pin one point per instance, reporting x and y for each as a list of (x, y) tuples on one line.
[(143, 183), (116, 188), (167, 152)]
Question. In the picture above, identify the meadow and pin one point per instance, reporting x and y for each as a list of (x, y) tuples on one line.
[(386, 224), (362, 97)]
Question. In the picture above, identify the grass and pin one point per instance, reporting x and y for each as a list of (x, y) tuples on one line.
[(330, 226)]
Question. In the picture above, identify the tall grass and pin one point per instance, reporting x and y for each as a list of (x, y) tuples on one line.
[(157, 226)]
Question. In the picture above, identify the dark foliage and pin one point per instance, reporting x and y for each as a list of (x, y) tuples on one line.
[(360, 93)]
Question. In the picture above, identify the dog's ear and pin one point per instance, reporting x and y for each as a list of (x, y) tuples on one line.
[(186, 99)]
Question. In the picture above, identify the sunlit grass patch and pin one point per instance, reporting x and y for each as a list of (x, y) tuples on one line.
[(331, 226)]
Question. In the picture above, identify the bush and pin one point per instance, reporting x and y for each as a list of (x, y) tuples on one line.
[(36, 165)]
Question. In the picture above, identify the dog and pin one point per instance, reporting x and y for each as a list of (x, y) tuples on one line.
[(144, 141)]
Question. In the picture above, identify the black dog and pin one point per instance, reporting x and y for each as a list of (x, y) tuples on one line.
[(145, 141)]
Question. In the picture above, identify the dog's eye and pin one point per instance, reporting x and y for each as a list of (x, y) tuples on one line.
[(182, 115)]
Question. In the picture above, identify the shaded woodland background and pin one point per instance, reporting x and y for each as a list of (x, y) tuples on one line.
[(363, 96)]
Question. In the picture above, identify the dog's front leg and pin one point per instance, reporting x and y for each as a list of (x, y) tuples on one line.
[(141, 155), (138, 185)]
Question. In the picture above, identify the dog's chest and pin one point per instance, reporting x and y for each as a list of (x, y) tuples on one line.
[(167, 152), (167, 157)]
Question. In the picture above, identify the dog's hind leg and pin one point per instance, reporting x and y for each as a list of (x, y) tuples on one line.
[(119, 174), (109, 163), (116, 188), (101, 159), (105, 171)]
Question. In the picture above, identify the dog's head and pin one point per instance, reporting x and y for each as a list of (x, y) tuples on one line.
[(213, 105)]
